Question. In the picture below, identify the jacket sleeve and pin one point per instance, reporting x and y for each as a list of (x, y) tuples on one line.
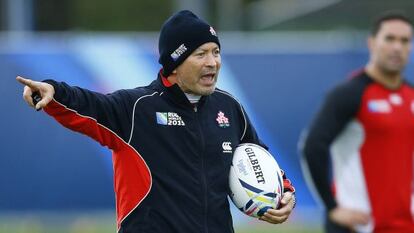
[(249, 132), (105, 118), (250, 136), (339, 107)]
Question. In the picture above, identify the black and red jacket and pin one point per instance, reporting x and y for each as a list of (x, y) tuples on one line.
[(171, 161), (364, 135)]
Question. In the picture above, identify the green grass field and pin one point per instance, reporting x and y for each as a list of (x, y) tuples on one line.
[(281, 229), (108, 228), (105, 223)]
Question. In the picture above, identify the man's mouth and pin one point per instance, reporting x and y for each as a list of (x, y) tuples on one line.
[(208, 79)]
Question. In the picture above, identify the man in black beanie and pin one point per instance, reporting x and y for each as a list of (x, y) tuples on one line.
[(170, 163)]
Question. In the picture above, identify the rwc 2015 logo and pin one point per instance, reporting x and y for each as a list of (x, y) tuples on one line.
[(169, 118), (178, 52)]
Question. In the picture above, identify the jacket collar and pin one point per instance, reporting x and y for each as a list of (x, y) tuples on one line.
[(174, 92)]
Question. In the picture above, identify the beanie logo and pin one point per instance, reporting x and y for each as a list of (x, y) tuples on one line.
[(212, 31), (178, 52)]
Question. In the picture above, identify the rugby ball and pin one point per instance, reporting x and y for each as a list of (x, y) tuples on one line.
[(255, 179)]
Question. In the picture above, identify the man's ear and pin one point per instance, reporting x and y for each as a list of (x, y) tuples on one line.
[(173, 77), (370, 43)]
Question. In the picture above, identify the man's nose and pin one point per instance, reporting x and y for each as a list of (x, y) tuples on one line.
[(211, 60)]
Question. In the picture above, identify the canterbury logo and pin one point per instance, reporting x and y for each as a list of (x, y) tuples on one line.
[(227, 147)]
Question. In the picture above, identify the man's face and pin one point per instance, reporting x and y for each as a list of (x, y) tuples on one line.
[(198, 73), (391, 46)]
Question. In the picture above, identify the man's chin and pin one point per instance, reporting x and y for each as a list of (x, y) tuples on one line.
[(395, 70), (206, 91)]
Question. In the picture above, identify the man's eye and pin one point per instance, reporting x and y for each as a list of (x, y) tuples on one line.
[(405, 40), (389, 38)]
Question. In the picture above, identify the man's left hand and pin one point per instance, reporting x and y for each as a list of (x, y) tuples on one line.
[(281, 214)]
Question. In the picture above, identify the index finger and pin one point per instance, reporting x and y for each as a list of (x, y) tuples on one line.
[(275, 216), (25, 81), (284, 210)]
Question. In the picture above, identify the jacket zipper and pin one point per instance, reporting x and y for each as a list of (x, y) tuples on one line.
[(203, 171)]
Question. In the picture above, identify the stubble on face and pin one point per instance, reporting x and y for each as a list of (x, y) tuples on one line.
[(198, 73), (391, 46)]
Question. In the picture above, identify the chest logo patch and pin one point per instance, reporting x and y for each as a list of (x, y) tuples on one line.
[(222, 120), (227, 147), (169, 118), (379, 106)]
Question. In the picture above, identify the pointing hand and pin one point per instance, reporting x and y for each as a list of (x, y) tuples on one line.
[(33, 88)]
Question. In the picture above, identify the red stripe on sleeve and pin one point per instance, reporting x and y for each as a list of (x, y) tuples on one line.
[(132, 181), (83, 124), (132, 177)]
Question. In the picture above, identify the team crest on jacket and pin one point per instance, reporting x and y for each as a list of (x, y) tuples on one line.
[(169, 118), (222, 120)]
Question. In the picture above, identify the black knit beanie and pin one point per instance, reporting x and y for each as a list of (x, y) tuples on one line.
[(180, 35)]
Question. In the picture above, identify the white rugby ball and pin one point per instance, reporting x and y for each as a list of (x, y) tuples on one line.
[(255, 179)]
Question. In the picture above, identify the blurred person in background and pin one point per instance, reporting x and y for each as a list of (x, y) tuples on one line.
[(366, 125), (170, 166)]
